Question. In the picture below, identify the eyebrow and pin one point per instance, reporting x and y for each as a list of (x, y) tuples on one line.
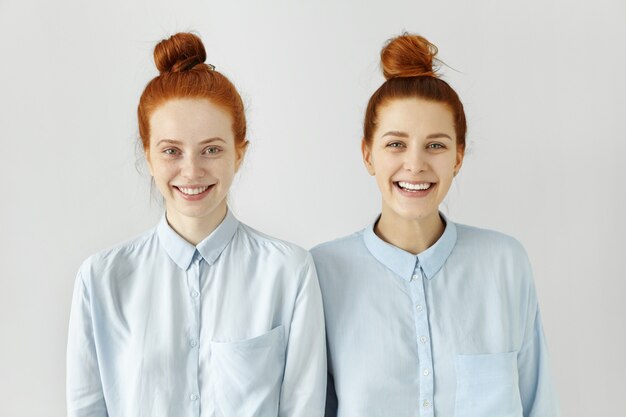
[(399, 134), (177, 142)]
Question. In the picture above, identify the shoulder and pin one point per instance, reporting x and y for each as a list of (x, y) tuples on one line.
[(338, 248), (271, 247), (491, 253), (488, 242), (340, 257), (126, 254)]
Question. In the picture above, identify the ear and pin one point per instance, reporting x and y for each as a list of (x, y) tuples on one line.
[(367, 157), (240, 154), (460, 153)]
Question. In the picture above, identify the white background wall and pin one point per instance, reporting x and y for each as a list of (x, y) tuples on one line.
[(543, 83)]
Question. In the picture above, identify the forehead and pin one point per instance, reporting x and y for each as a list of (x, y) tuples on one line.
[(415, 116), (190, 120)]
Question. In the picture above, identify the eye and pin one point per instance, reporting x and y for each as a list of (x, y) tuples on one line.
[(170, 151), (212, 150), (395, 145), (436, 146)]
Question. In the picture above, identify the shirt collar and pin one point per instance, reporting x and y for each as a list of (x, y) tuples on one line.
[(404, 263), (210, 248)]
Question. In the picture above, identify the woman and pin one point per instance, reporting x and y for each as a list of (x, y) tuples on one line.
[(424, 316), (201, 315)]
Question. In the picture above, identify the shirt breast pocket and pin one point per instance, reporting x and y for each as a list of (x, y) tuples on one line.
[(487, 385), (247, 374)]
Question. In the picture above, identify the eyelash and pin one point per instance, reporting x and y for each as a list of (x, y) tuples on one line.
[(395, 145), (436, 146), (167, 151), (211, 150), (217, 150)]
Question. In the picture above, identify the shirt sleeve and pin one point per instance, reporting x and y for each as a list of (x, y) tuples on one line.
[(304, 382), (537, 391), (85, 397)]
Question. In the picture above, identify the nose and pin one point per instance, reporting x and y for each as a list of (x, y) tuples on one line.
[(192, 168), (414, 161)]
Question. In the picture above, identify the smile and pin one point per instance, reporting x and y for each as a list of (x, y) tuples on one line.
[(407, 186), (192, 191)]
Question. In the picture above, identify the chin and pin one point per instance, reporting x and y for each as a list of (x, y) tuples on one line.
[(415, 214), (194, 212)]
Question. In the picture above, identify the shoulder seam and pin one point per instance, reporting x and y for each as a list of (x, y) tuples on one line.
[(353, 235)]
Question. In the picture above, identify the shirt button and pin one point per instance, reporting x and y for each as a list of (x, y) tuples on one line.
[(414, 277), (423, 339), (426, 404), (426, 372), (193, 397), (193, 343), (418, 307), (195, 294)]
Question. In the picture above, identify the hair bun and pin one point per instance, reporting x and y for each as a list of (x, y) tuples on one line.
[(180, 52), (408, 56)]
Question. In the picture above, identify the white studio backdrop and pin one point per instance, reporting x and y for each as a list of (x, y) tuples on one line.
[(545, 94)]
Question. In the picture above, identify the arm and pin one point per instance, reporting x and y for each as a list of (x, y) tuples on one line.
[(304, 381), (535, 381), (85, 397)]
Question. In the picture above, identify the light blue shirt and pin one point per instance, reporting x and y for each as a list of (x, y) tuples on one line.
[(231, 327), (452, 332)]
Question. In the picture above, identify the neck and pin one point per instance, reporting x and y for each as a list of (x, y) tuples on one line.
[(195, 229), (413, 236)]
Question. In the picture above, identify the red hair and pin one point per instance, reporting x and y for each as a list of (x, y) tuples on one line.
[(183, 74), (407, 64)]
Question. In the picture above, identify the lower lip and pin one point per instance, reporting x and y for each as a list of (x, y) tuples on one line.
[(194, 197), (416, 193)]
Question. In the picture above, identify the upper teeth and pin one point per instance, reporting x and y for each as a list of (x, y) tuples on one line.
[(193, 191), (409, 186)]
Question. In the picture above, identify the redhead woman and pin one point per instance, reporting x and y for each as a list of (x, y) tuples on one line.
[(201, 315), (426, 317)]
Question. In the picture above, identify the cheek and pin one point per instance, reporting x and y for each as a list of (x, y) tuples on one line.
[(163, 170), (383, 178), (445, 164), (386, 166), (223, 168)]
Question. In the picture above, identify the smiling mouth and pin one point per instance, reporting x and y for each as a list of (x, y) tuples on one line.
[(193, 191), (411, 187)]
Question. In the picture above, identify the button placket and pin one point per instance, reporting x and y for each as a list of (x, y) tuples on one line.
[(193, 281), (422, 335)]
